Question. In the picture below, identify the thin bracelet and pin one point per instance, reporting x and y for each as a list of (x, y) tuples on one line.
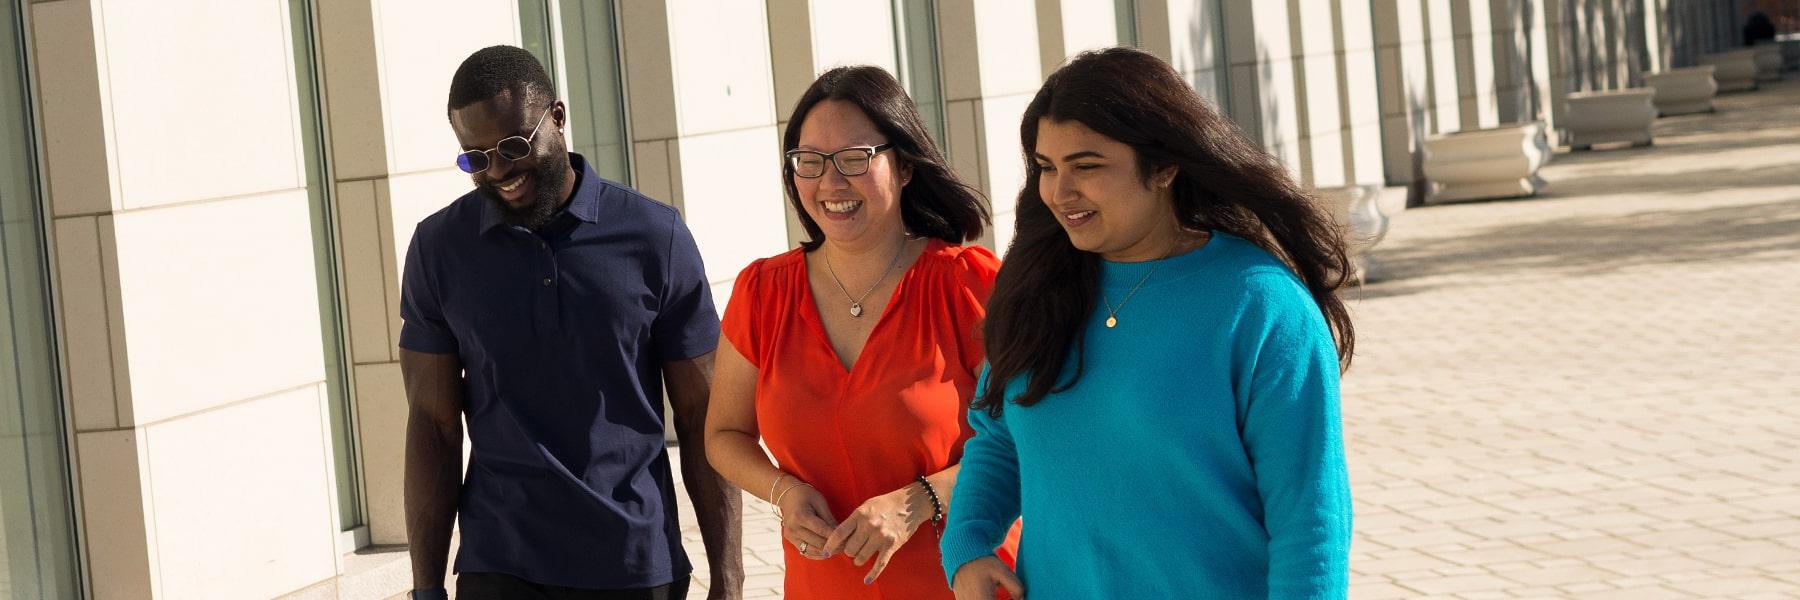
[(778, 477), (784, 492)]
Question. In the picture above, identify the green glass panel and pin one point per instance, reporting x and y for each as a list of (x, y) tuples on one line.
[(37, 541)]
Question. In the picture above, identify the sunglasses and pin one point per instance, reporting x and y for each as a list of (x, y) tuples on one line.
[(512, 148), (849, 162)]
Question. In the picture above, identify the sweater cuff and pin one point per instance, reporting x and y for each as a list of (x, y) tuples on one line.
[(967, 542)]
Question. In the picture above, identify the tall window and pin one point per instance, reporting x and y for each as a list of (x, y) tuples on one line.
[(332, 321), (37, 541), (1125, 11), (578, 42), (916, 52)]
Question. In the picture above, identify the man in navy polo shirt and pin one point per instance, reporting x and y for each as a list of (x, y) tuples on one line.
[(550, 307)]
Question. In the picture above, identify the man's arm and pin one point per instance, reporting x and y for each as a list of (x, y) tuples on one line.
[(434, 435), (718, 505)]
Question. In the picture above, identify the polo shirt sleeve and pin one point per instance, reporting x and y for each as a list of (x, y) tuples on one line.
[(687, 325), (424, 328)]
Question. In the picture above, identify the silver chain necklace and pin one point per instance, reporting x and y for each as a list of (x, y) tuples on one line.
[(856, 309)]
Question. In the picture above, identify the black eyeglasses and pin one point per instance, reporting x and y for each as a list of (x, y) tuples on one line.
[(512, 148), (850, 162)]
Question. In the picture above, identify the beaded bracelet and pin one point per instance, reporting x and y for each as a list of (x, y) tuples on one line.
[(937, 507)]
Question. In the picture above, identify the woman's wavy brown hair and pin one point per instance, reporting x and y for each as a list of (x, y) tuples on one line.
[(1047, 287)]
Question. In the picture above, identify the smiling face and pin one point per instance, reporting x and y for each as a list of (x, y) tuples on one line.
[(528, 191), (1092, 184), (859, 210)]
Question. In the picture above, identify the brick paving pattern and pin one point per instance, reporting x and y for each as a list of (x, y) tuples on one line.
[(1594, 393)]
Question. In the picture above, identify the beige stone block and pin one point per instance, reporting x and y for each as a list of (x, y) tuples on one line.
[(1003, 30), (1081, 25), (655, 170), (1206, 83), (175, 130), (1322, 85), (351, 66), (381, 412), (393, 263), (420, 44), (1357, 25), (271, 528), (366, 265), (962, 124), (72, 98), (720, 91), (646, 53), (1328, 162), (1005, 163), (86, 334), (1317, 37), (790, 52), (852, 32), (1390, 82), (221, 302), (115, 315), (115, 510), (733, 199)]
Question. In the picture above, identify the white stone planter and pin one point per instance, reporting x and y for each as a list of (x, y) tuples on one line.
[(1357, 212), (1768, 62), (1683, 91), (1485, 163), (1610, 116), (1734, 70)]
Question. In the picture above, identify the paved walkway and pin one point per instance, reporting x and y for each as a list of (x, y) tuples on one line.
[(1590, 394)]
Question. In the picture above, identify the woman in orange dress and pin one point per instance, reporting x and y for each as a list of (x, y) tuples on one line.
[(853, 357)]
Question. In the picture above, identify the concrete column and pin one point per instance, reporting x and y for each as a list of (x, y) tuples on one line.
[(1190, 35), (387, 66), (988, 80), (1265, 80), (1069, 27), (809, 37), (190, 321), (703, 122)]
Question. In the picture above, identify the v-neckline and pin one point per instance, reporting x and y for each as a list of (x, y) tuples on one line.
[(818, 320)]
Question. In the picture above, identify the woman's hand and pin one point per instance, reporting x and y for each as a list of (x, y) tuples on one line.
[(880, 527), (806, 520), (977, 579)]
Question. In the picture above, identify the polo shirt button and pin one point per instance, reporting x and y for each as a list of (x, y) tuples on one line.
[(546, 281)]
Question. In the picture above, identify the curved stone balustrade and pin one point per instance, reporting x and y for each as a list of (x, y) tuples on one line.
[(1501, 162), (1610, 116), (1734, 70), (1683, 91)]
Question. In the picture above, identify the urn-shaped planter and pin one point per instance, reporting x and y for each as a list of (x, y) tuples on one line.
[(1500, 162), (1768, 62), (1683, 91), (1610, 116), (1735, 70), (1357, 211)]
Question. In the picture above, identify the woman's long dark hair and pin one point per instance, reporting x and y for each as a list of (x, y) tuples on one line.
[(1047, 287), (935, 203)]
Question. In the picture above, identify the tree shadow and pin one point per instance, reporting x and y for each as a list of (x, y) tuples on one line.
[(1592, 246)]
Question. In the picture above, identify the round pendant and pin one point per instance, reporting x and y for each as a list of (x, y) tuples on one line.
[(1112, 322), (856, 310)]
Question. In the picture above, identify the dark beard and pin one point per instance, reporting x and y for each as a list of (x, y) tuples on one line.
[(548, 180)]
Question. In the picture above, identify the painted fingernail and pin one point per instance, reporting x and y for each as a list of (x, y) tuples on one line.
[(868, 580)]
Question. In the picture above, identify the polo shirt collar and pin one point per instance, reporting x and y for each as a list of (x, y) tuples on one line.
[(585, 205)]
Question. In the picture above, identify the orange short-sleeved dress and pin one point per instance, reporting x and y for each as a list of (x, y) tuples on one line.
[(899, 413)]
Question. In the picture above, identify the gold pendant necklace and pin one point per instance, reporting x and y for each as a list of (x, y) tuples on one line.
[(856, 309), (1112, 314)]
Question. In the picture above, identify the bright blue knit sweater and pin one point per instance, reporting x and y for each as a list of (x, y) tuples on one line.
[(1199, 456)]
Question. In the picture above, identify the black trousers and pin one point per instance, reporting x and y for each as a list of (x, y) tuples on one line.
[(500, 586)]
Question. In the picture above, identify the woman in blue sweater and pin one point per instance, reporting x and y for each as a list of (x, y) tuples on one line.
[(1164, 341)]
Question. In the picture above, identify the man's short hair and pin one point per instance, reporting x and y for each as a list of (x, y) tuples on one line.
[(495, 69)]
